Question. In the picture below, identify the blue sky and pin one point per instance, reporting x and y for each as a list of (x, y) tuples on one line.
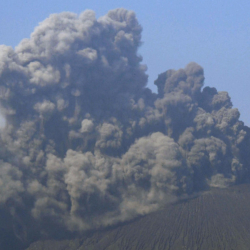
[(215, 34)]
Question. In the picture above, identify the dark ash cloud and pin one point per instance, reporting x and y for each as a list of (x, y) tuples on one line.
[(87, 145)]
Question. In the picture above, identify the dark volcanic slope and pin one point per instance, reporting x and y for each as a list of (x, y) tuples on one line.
[(218, 219)]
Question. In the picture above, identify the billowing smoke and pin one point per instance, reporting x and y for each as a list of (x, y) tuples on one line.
[(87, 145)]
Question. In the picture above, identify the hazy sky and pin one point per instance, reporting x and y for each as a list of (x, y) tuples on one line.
[(214, 34)]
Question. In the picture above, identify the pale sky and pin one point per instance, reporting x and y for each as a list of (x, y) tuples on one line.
[(215, 34)]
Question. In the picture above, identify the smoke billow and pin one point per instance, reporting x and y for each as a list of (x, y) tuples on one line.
[(87, 144)]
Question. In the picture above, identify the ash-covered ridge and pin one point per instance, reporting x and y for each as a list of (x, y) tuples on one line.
[(87, 144)]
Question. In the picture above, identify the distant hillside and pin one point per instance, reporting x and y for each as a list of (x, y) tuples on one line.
[(218, 219)]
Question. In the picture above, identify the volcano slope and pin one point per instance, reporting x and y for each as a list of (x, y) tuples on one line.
[(215, 220)]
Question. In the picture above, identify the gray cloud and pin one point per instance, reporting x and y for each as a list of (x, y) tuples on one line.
[(87, 145)]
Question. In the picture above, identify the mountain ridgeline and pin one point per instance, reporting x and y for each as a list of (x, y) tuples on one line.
[(215, 220), (87, 145)]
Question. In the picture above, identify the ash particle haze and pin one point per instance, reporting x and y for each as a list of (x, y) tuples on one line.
[(87, 144)]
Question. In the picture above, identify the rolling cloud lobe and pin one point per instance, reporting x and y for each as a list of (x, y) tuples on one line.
[(87, 144)]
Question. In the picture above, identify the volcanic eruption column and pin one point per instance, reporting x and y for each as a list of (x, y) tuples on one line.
[(87, 144)]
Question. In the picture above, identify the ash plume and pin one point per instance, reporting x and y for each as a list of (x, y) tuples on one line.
[(87, 144)]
